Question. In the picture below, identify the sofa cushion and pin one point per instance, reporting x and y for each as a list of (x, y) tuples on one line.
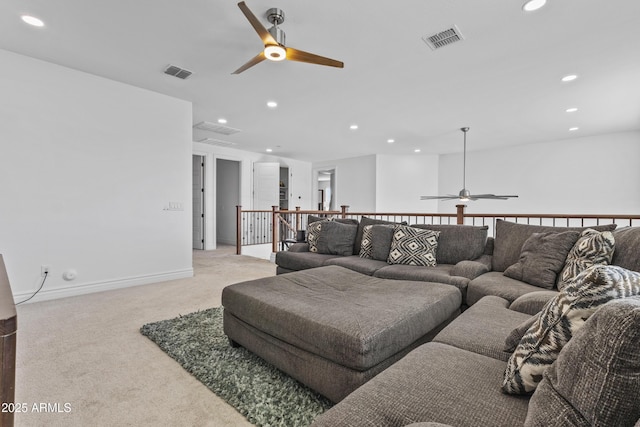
[(376, 242), (560, 319), (627, 248), (542, 258), (596, 379), (364, 221), (412, 246), (458, 242), (592, 248), (482, 328), (511, 236), (496, 283), (437, 383), (471, 269), (438, 273), (336, 238), (301, 260), (533, 302)]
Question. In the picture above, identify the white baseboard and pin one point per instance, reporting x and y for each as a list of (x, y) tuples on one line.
[(88, 288)]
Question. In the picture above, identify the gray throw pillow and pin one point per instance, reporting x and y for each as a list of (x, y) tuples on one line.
[(376, 242), (510, 236), (458, 242), (364, 221), (542, 258), (312, 218), (627, 248), (336, 238), (595, 380)]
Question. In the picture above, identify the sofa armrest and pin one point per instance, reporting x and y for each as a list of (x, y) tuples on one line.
[(299, 247), (471, 269), (532, 302)]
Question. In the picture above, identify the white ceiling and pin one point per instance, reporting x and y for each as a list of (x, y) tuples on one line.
[(503, 80)]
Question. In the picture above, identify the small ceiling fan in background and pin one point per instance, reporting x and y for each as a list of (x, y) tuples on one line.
[(465, 195), (274, 42)]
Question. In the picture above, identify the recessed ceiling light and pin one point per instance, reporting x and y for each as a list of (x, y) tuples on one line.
[(569, 78), (417, 150), (32, 20), (571, 110), (531, 5), (391, 141), (272, 104), (222, 121), (269, 150), (353, 127), (573, 129)]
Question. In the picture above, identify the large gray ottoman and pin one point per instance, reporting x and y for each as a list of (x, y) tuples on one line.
[(334, 329)]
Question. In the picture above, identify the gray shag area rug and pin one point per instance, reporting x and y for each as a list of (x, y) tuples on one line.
[(263, 394)]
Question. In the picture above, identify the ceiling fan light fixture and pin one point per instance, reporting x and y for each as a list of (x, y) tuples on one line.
[(275, 53), (531, 5)]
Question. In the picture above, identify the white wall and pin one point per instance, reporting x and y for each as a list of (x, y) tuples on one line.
[(87, 167), (355, 180), (590, 175), (401, 180)]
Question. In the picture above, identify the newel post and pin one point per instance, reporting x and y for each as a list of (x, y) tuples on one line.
[(298, 218), (274, 228), (460, 214), (344, 208), (238, 230)]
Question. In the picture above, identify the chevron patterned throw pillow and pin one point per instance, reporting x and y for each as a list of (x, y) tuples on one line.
[(560, 318), (413, 246), (592, 248)]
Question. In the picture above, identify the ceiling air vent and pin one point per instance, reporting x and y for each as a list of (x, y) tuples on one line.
[(219, 142), (178, 72), (215, 127), (443, 38)]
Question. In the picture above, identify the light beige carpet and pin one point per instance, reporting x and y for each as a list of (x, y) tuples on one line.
[(87, 352)]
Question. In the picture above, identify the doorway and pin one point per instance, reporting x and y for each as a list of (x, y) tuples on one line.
[(197, 173), (326, 190), (227, 198)]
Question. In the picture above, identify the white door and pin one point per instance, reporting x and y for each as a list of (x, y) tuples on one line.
[(198, 202), (266, 188)]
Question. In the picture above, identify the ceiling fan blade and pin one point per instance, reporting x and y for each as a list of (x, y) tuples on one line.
[(493, 196), (253, 61), (302, 56), (265, 36), (447, 197)]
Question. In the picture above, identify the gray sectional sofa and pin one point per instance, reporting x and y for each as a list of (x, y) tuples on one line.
[(463, 377), (455, 380), (465, 257)]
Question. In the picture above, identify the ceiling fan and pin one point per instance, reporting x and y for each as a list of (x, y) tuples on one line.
[(274, 42), (465, 195)]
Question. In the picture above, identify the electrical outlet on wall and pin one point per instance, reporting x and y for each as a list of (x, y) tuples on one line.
[(44, 270)]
